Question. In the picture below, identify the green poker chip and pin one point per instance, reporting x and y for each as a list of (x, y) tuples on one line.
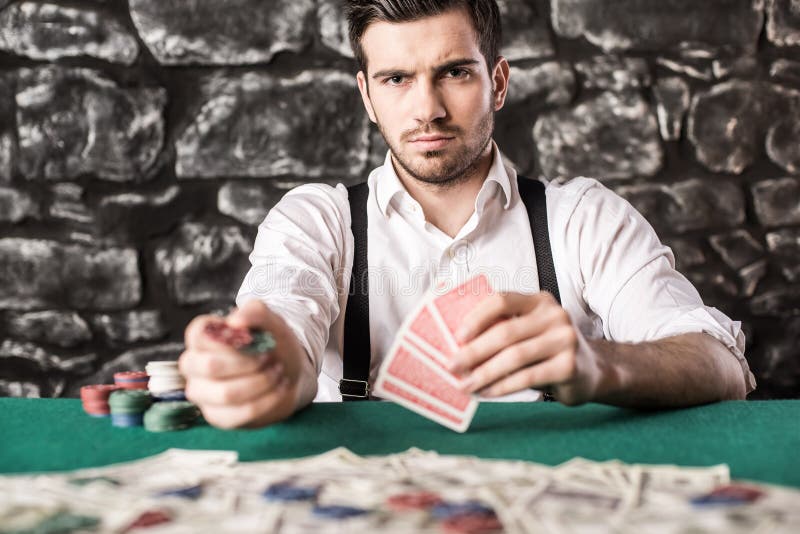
[(129, 401), (170, 415), (262, 343)]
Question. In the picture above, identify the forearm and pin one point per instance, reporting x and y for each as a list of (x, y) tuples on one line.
[(678, 371)]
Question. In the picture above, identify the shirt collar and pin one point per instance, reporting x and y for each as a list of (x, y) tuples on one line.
[(388, 183)]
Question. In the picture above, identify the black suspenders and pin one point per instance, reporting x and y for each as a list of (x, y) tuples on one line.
[(356, 356)]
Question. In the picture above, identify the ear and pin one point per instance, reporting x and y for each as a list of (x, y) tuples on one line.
[(362, 88), (500, 82)]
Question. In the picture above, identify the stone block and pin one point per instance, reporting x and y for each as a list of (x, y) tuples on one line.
[(62, 328), (777, 202), (48, 31), (689, 205), (202, 263), (40, 274), (549, 84), (612, 136), (76, 121), (234, 32), (783, 22), (646, 25), (312, 125)]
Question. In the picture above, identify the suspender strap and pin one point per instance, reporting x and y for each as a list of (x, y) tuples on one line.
[(356, 356), (533, 196)]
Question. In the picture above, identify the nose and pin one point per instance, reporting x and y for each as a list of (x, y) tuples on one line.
[(428, 103)]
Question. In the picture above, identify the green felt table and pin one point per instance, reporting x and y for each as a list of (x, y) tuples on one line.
[(759, 440)]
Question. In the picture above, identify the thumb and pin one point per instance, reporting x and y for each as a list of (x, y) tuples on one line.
[(252, 314)]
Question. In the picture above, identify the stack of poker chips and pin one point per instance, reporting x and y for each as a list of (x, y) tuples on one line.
[(128, 406), (166, 382), (95, 399), (131, 379), (166, 416)]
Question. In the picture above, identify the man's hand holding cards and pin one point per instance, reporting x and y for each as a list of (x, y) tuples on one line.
[(473, 340), (415, 373)]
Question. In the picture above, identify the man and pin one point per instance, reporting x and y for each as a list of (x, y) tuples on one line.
[(630, 331)]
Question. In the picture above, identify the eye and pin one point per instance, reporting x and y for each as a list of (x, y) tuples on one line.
[(458, 73), (394, 80)]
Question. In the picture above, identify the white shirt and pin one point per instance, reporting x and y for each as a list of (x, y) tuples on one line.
[(616, 279)]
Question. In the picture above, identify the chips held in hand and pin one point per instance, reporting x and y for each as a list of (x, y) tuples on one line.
[(247, 340)]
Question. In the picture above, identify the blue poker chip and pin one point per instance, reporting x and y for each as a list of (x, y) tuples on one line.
[(189, 492), (447, 510), (719, 500), (285, 492), (175, 395), (338, 511), (127, 419)]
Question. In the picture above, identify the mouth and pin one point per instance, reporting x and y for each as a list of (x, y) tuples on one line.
[(430, 142)]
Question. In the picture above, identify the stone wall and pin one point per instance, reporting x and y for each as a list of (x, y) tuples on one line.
[(142, 141)]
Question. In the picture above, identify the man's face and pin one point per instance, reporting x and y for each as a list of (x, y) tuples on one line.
[(431, 95)]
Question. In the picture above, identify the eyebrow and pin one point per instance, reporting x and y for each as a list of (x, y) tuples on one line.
[(463, 62)]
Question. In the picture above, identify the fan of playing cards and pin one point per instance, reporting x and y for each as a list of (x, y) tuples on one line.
[(415, 375)]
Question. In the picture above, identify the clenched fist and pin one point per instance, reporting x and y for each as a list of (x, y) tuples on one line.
[(234, 389)]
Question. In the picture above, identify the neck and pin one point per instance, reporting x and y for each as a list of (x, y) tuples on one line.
[(449, 206)]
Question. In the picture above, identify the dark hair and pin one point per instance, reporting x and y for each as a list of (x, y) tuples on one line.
[(485, 17)]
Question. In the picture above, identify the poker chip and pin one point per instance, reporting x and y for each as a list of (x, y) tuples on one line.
[(164, 377), (149, 518), (248, 341), (126, 419), (729, 495), (472, 524), (446, 510), (286, 492), (418, 500), (167, 416), (131, 379), (63, 521), (189, 492), (128, 406), (338, 511), (94, 398)]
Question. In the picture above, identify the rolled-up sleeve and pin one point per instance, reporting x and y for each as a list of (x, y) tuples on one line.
[(630, 280), (297, 263)]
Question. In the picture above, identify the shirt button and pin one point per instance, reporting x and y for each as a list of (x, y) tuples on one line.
[(461, 251)]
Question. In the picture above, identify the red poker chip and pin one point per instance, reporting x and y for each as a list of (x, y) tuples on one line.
[(148, 519), (420, 500), (132, 385), (97, 391), (473, 524), (228, 335), (130, 375), (96, 408), (131, 379)]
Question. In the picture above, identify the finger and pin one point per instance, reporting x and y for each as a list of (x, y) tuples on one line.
[(252, 314), (494, 308), (194, 335), (514, 358), (555, 370), (497, 337), (219, 364), (234, 391), (264, 410)]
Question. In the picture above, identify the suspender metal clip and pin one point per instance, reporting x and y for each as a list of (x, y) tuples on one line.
[(354, 389)]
